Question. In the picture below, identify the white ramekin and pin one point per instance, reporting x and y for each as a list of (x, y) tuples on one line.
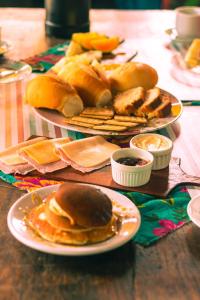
[(161, 156), (131, 175)]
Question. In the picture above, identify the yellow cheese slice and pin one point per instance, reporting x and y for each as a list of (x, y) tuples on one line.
[(89, 152), (44, 152), (11, 157)]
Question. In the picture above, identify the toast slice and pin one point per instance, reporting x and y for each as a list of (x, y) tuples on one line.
[(151, 102), (161, 111), (127, 102)]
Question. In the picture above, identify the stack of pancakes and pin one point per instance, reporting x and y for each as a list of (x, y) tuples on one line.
[(75, 214)]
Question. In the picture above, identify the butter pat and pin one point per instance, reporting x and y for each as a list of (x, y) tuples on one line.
[(159, 146), (151, 143)]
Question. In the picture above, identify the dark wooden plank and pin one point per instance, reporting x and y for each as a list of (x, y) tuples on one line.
[(160, 184)]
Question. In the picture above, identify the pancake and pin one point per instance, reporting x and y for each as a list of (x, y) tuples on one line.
[(37, 220)]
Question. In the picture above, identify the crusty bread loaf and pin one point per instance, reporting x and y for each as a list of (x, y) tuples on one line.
[(85, 80), (48, 92), (83, 58), (131, 75)]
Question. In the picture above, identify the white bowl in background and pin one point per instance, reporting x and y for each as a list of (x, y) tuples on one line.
[(158, 145), (131, 176)]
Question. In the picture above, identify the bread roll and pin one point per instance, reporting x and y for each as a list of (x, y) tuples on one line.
[(48, 92), (132, 75), (87, 206), (85, 58), (85, 80)]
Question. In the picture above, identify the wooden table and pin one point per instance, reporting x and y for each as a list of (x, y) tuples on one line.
[(166, 270)]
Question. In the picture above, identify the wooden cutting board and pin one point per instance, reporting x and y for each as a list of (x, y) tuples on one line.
[(160, 184)]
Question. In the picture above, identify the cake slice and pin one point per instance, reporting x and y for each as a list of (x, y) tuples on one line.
[(127, 102), (151, 102)]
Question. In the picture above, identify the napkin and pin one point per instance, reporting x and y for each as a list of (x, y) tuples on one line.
[(159, 216), (44, 61)]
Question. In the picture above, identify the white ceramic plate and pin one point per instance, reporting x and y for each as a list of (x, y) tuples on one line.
[(193, 210), (27, 237), (58, 119)]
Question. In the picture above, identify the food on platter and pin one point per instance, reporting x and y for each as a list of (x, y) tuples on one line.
[(132, 75), (105, 127), (42, 155), (11, 162), (48, 92), (192, 57), (101, 72), (138, 120), (101, 117), (74, 214), (127, 102), (131, 108), (88, 84), (120, 123), (84, 58), (87, 154), (143, 104), (163, 110), (127, 90), (87, 120), (94, 111), (152, 100), (95, 41)]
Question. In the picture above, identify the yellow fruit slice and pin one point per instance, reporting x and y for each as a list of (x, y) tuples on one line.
[(84, 39), (105, 44)]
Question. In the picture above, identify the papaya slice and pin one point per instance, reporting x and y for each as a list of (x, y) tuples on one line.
[(84, 39), (105, 44)]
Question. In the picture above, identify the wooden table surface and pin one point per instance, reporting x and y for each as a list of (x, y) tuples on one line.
[(168, 269)]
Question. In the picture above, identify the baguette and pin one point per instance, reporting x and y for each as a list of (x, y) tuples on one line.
[(85, 80), (48, 92)]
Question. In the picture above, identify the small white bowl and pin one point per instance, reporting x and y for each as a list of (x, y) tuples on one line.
[(131, 175), (161, 155)]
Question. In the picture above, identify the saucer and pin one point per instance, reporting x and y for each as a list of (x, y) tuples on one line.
[(193, 210)]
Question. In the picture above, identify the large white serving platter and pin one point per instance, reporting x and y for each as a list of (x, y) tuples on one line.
[(59, 120)]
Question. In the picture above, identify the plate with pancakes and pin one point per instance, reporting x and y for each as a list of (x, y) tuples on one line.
[(105, 121), (73, 219)]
